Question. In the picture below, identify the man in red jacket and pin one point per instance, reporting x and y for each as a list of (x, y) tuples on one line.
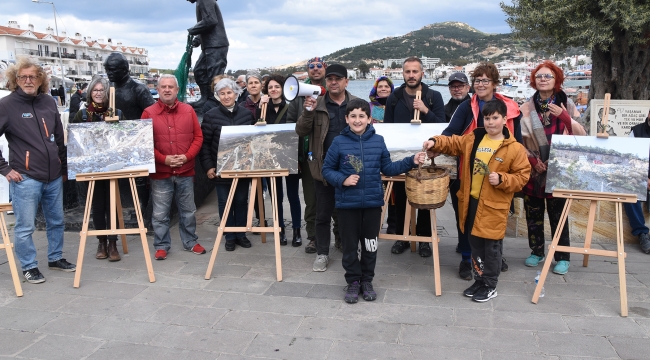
[(177, 140)]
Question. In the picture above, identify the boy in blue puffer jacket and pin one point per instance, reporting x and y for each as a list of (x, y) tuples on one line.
[(353, 165)]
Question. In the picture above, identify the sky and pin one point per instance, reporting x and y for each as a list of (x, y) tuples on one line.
[(262, 33)]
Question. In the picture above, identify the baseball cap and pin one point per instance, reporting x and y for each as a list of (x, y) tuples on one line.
[(338, 70), (459, 76)]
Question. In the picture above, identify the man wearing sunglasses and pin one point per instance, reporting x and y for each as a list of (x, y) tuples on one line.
[(459, 90)]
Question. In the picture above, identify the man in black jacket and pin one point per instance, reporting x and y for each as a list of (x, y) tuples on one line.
[(400, 108), (75, 101), (37, 167), (459, 90)]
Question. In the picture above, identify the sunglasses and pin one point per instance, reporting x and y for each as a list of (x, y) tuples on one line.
[(318, 65), (544, 76)]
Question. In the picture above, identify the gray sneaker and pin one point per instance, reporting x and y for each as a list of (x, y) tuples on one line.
[(321, 263), (644, 241)]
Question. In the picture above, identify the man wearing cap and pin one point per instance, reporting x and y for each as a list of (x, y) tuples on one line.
[(459, 90), (400, 108), (322, 120)]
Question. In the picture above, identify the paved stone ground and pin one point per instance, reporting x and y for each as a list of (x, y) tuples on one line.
[(243, 313)]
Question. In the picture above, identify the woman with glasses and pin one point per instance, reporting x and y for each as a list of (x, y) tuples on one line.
[(468, 117), (378, 94), (96, 110), (549, 111)]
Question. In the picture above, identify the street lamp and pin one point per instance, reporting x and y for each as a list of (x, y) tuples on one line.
[(57, 38)]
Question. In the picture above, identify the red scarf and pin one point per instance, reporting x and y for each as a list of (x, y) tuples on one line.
[(100, 110)]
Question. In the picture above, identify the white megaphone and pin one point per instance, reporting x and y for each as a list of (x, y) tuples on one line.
[(293, 88)]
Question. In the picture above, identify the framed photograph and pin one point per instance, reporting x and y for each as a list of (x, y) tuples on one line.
[(623, 115)]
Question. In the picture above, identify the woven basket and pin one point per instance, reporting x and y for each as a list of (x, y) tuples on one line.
[(427, 187)]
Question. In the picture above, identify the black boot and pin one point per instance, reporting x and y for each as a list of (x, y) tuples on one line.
[(283, 237), (297, 239)]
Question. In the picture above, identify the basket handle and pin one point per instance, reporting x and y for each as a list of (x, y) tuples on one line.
[(418, 175)]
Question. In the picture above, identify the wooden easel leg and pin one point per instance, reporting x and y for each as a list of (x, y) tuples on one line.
[(120, 220), (389, 188), (620, 250), (143, 229), (413, 224), (434, 247), (260, 206), (551, 251), (84, 233), (222, 226), (10, 256), (251, 204), (590, 230), (276, 229)]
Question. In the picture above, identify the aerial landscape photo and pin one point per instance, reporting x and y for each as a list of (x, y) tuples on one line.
[(110, 146), (269, 147), (613, 165)]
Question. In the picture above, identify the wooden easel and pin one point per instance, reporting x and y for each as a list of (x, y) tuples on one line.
[(8, 247), (619, 254), (262, 119), (111, 106), (416, 113), (115, 207), (256, 187), (605, 122), (409, 227)]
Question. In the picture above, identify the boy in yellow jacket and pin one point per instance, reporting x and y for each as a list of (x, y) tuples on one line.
[(496, 167)]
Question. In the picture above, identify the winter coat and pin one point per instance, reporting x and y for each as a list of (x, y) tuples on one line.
[(369, 150), (251, 106), (75, 104), (467, 117), (316, 123), (176, 131), (398, 112), (509, 161), (452, 105), (211, 128), (32, 125)]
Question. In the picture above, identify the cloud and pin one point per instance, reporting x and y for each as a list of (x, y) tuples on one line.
[(261, 33)]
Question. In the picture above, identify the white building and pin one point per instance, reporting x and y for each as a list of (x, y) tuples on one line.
[(82, 57), (427, 62)]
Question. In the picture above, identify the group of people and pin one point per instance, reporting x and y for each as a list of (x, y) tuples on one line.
[(502, 149)]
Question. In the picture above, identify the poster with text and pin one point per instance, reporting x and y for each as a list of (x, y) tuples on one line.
[(623, 115)]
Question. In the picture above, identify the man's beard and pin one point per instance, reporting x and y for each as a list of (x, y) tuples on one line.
[(414, 86)]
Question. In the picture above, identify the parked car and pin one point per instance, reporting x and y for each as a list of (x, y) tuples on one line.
[(154, 93)]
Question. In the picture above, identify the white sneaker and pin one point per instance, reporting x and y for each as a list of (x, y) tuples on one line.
[(321, 263)]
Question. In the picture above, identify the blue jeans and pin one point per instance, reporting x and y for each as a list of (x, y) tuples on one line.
[(238, 209), (634, 212), (26, 196), (181, 189)]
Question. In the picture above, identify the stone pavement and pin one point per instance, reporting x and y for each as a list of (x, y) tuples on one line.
[(243, 313)]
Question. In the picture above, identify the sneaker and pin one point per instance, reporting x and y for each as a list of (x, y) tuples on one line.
[(367, 291), (62, 265), (644, 241), (465, 270), (230, 245), (311, 246), (321, 263), (534, 260), (34, 276), (485, 293), (352, 292), (243, 242), (197, 249), (400, 246), (470, 291), (160, 255), (504, 265), (425, 250), (562, 267)]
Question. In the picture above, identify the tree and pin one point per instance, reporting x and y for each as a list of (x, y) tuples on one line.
[(616, 31), (394, 65), (363, 67)]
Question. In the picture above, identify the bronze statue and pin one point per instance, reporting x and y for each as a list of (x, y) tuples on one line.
[(130, 96), (210, 33)]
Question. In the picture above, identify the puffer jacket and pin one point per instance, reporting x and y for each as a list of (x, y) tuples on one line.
[(316, 123), (368, 149), (509, 161), (213, 120)]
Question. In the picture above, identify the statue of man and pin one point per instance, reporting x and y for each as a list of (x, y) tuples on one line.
[(210, 33), (130, 96)]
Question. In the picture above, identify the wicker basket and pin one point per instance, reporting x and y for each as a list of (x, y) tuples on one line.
[(427, 187)]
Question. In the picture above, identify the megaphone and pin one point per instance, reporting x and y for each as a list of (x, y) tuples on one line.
[(293, 88)]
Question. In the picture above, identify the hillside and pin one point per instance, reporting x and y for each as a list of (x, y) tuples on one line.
[(452, 42)]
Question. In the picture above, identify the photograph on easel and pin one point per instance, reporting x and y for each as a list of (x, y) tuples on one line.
[(613, 165), (404, 140), (269, 147), (110, 146)]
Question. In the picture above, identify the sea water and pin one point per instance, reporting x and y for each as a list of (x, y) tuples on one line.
[(361, 88)]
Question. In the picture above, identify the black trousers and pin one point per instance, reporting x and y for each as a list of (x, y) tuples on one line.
[(101, 207), (423, 224), (486, 253), (324, 212), (359, 229), (534, 207), (463, 242)]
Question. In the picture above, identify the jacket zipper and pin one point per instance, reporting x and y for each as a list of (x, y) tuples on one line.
[(364, 178)]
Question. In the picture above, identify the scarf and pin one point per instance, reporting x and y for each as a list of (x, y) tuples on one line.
[(100, 110), (541, 106), (373, 92)]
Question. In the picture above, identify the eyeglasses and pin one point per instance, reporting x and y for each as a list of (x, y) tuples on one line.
[(23, 78), (544, 76), (318, 65), (482, 81), (98, 91), (456, 87)]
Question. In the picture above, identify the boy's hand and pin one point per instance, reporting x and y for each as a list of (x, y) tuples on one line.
[(419, 158), (351, 180), (428, 146), (493, 179)]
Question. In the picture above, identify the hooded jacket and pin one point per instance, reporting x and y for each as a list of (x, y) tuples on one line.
[(32, 125), (509, 161), (397, 111), (369, 150)]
